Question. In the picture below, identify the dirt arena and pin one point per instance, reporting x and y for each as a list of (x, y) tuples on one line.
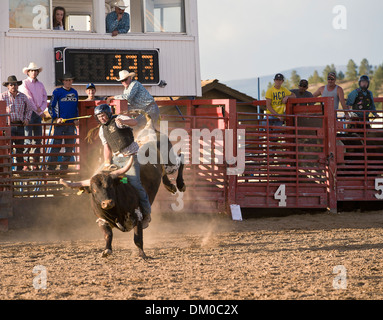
[(196, 257)]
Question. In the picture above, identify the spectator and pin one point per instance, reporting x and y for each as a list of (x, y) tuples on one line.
[(139, 99), (63, 105), (37, 95), (91, 91), (361, 99), (20, 110), (302, 92), (332, 90), (118, 21), (59, 15), (276, 99)]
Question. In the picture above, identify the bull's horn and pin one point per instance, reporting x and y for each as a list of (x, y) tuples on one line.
[(123, 170), (78, 184)]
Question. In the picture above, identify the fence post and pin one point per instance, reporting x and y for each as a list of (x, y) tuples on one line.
[(331, 153), (231, 112), (6, 208)]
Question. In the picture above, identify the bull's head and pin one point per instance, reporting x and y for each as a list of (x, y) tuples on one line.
[(103, 189), (86, 184)]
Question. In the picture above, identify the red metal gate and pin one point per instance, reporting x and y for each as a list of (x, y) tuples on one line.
[(206, 179), (359, 156), (287, 166)]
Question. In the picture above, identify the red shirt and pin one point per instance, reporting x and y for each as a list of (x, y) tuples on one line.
[(19, 108)]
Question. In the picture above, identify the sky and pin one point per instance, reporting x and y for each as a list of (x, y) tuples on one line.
[(252, 38)]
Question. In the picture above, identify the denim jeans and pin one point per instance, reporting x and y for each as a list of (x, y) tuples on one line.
[(154, 113), (63, 130), (134, 179), (33, 131), (18, 131), (273, 121)]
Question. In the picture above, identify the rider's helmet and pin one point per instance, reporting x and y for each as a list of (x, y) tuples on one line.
[(364, 78), (103, 108)]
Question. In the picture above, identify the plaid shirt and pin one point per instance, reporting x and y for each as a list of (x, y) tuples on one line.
[(140, 99), (19, 108)]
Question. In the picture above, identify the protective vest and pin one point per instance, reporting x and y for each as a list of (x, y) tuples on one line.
[(362, 102), (118, 139)]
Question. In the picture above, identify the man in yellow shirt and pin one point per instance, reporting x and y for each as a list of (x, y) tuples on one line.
[(276, 99)]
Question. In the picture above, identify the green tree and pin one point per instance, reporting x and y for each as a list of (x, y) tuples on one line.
[(340, 75), (287, 84), (315, 78), (377, 81), (352, 73), (378, 75), (365, 68), (294, 79), (373, 88), (327, 70)]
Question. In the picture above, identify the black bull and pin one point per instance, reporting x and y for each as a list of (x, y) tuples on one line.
[(114, 202)]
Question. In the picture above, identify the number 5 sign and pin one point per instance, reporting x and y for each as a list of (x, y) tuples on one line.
[(379, 187)]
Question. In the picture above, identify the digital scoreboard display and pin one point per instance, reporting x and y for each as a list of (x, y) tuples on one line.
[(102, 66)]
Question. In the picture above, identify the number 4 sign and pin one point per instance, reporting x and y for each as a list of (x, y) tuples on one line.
[(281, 195)]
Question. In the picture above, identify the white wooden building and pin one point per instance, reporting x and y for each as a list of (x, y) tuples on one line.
[(168, 27)]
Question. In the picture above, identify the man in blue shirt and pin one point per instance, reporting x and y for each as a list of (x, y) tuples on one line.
[(118, 21), (63, 105), (361, 99)]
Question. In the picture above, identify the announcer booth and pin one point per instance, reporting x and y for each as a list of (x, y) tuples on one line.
[(161, 45)]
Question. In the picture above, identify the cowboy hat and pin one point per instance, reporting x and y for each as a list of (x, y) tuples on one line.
[(120, 4), (32, 66), (12, 79), (125, 74), (67, 76)]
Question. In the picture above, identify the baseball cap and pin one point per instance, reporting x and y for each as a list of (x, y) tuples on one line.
[(279, 76), (90, 85)]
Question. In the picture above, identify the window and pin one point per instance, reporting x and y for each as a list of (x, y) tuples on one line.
[(30, 14), (164, 16), (79, 22), (37, 14), (77, 14)]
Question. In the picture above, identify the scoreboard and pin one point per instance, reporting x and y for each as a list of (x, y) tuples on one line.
[(102, 66)]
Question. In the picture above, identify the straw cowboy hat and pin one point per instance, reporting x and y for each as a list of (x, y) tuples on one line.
[(12, 79), (120, 4), (125, 74), (32, 66)]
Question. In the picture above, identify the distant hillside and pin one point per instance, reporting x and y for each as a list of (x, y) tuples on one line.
[(250, 86)]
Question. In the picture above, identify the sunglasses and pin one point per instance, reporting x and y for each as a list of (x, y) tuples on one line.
[(332, 79)]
